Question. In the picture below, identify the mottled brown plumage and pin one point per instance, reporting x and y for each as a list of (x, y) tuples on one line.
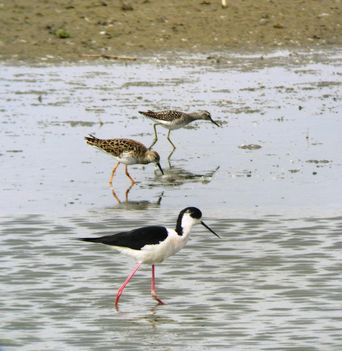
[(167, 115), (172, 119), (125, 151)]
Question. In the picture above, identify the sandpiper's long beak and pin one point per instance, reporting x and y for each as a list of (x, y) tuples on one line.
[(161, 170), (204, 225), (216, 124)]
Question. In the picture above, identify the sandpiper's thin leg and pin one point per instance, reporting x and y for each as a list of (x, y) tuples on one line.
[(169, 157), (127, 174), (153, 288), (122, 287), (155, 135), (113, 173), (168, 138)]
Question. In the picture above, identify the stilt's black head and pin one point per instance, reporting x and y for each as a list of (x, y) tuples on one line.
[(194, 212), (191, 212), (188, 217)]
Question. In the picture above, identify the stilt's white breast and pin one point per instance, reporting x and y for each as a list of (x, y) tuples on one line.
[(159, 252)]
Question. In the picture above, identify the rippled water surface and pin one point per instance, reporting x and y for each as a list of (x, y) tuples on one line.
[(274, 279)]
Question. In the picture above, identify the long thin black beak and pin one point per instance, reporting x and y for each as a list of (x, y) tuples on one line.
[(161, 170), (216, 124), (204, 225)]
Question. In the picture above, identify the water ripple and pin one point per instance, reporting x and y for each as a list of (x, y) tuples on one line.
[(271, 281)]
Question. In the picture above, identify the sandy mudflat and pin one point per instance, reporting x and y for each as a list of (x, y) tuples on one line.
[(70, 29)]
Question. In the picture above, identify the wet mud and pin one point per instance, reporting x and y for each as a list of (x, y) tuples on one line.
[(76, 30)]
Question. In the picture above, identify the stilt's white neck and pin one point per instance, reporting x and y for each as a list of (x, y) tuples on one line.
[(185, 224)]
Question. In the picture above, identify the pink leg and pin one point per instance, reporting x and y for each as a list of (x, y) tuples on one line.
[(122, 287), (153, 289)]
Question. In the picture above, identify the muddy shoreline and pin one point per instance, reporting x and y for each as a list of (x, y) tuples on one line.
[(75, 30)]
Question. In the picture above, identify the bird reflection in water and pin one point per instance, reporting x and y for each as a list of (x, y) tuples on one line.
[(179, 176), (135, 205), (126, 193)]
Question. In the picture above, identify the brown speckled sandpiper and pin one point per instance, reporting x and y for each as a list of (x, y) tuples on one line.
[(126, 151)]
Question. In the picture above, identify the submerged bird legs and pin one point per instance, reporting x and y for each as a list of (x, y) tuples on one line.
[(126, 172)]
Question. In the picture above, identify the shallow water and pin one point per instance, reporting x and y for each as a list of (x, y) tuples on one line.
[(267, 284), (291, 110), (274, 279)]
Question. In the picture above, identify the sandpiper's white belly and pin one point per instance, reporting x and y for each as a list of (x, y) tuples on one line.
[(170, 125), (127, 158)]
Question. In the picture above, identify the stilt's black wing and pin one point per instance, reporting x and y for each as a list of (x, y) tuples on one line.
[(135, 239)]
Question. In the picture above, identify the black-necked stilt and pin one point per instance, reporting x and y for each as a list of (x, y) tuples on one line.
[(126, 151), (171, 119), (153, 244)]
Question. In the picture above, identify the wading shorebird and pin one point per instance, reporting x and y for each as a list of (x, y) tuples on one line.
[(152, 244), (126, 151), (172, 119)]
